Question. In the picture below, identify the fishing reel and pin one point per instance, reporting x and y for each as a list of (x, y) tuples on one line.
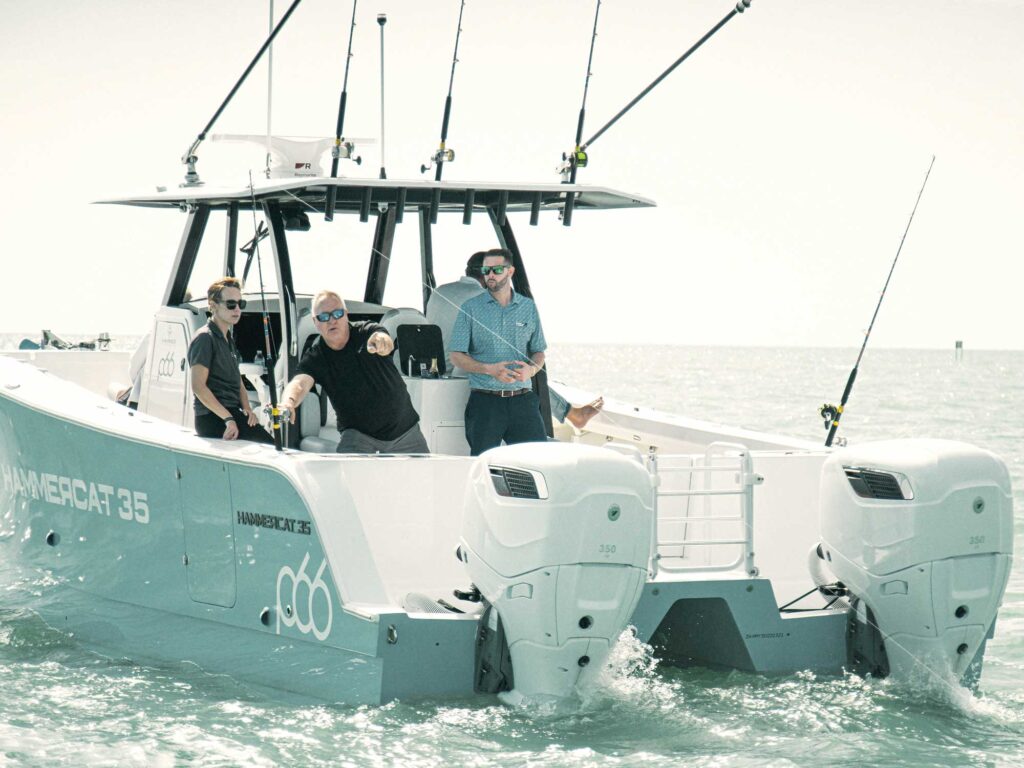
[(576, 158), (828, 412), (343, 150), (279, 419), (441, 156)]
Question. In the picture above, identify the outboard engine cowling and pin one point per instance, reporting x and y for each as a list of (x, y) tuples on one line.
[(558, 540), (921, 533)]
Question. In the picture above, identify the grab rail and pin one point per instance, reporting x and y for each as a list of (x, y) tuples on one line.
[(746, 479)]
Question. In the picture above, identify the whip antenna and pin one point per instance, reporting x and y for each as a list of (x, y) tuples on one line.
[(382, 19), (270, 87), (832, 413), (342, 149), (578, 158), (189, 158), (443, 153), (269, 348)]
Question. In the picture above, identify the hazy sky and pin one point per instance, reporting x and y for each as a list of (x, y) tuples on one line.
[(785, 156)]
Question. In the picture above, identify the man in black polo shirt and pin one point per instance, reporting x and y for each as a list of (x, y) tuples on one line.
[(352, 362), (221, 403)]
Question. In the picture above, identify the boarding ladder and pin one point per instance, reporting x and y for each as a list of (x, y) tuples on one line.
[(689, 540)]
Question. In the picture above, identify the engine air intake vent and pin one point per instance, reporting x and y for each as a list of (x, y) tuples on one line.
[(517, 483), (872, 484)]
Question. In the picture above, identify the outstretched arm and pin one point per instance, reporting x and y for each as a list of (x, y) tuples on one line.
[(295, 392)]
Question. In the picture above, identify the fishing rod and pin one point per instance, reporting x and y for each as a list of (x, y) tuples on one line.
[(342, 150), (268, 346), (831, 413), (443, 153), (189, 158), (578, 158)]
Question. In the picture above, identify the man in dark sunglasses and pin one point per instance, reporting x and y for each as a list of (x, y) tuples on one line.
[(444, 306), (221, 402), (499, 342), (352, 362)]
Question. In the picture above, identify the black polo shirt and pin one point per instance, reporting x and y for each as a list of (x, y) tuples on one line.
[(366, 390), (211, 349)]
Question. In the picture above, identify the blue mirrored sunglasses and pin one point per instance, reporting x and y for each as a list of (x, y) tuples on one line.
[(336, 314)]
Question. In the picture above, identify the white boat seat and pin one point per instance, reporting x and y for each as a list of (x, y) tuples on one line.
[(401, 316), (306, 333), (314, 437)]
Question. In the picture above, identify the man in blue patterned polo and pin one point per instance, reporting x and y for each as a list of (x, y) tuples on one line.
[(499, 342)]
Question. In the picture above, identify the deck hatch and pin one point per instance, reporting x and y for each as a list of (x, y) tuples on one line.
[(516, 483), (872, 484)]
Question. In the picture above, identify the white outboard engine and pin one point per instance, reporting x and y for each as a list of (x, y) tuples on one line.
[(921, 534), (558, 540)]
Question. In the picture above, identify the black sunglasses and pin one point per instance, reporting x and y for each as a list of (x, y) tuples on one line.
[(336, 314), (233, 303), (500, 270)]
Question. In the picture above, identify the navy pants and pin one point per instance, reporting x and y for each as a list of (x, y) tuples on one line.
[(491, 419)]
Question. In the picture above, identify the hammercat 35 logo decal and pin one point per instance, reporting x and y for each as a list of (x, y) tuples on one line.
[(76, 493), (300, 606)]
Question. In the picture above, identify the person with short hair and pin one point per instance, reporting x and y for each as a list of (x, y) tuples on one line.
[(499, 341), (444, 306), (221, 402), (353, 363)]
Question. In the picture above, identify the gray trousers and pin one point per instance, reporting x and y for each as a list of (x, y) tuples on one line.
[(411, 441)]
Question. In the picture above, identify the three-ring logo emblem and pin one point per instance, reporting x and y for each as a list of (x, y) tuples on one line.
[(165, 366), (301, 608)]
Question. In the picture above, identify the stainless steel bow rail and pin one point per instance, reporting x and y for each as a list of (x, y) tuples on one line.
[(719, 459)]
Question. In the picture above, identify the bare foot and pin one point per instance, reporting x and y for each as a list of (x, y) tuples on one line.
[(578, 416)]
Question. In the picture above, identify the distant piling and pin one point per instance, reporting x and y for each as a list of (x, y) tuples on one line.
[(958, 351)]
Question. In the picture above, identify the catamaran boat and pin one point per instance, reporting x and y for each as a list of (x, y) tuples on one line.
[(368, 578)]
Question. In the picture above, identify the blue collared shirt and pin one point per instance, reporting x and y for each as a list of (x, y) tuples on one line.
[(490, 333)]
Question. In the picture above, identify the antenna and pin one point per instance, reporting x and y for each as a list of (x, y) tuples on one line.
[(382, 19), (270, 85), (443, 153)]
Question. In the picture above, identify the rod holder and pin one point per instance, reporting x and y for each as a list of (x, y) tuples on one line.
[(435, 203), (570, 204), (535, 209), (502, 207), (400, 205), (364, 204)]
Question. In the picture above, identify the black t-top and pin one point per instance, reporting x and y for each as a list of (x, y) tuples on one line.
[(366, 390), (211, 349)]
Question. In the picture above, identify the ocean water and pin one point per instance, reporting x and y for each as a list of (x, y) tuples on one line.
[(63, 705)]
